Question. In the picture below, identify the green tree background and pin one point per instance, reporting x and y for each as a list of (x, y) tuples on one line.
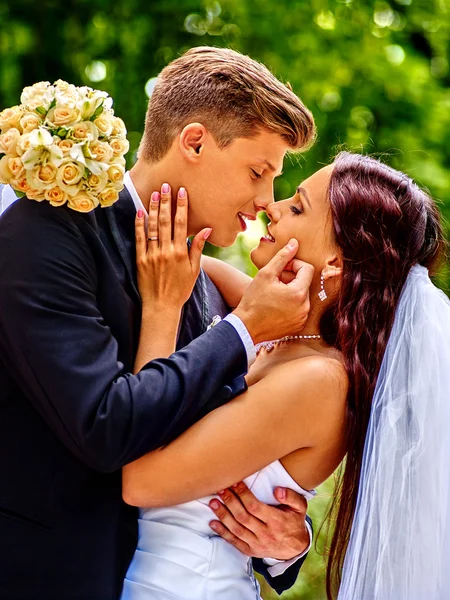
[(375, 74)]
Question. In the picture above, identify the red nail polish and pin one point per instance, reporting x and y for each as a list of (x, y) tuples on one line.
[(140, 214)]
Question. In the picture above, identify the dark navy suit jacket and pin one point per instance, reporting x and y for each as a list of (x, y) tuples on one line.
[(71, 412)]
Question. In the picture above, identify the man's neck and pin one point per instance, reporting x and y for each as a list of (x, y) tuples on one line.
[(148, 178)]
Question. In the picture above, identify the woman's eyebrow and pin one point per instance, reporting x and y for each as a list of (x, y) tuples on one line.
[(303, 193)]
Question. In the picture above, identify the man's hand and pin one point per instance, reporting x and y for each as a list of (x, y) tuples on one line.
[(271, 309), (260, 530)]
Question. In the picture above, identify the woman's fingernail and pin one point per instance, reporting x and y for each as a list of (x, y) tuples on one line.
[(214, 526), (140, 214), (182, 193), (215, 504), (165, 188), (281, 494), (207, 234), (155, 197)]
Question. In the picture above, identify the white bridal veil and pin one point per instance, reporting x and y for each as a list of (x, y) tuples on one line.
[(400, 540)]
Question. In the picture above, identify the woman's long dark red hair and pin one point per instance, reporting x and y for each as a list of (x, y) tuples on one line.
[(383, 224)]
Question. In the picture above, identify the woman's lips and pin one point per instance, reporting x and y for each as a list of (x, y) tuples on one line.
[(268, 237)]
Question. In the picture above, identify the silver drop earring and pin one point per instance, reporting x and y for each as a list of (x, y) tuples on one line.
[(322, 294)]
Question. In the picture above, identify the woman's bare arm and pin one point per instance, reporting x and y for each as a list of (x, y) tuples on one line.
[(230, 282), (297, 405)]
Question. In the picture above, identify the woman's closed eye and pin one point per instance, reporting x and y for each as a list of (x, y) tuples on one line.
[(256, 174), (295, 209)]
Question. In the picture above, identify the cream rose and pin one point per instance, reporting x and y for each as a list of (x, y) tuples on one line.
[(83, 131), (5, 171), (83, 202), (66, 145), (97, 183), (119, 146), (10, 117), (30, 121), (8, 142), (56, 196), (16, 167), (108, 196), (23, 144), (21, 185), (115, 174), (101, 151), (104, 124), (33, 194), (69, 176), (42, 176), (39, 94), (61, 116), (119, 127), (71, 173)]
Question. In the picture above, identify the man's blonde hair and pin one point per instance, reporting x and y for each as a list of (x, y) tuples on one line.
[(231, 94)]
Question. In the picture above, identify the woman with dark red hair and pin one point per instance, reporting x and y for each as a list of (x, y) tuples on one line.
[(367, 379)]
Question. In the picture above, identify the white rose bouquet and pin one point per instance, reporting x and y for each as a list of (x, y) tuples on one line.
[(63, 144)]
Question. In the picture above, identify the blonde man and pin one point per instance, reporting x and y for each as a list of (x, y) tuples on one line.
[(72, 412)]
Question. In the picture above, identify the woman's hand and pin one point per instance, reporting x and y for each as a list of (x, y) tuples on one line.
[(166, 272), (166, 269)]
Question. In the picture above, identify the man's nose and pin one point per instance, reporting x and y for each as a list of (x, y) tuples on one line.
[(264, 200)]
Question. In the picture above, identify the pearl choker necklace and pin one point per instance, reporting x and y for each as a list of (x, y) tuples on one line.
[(269, 346)]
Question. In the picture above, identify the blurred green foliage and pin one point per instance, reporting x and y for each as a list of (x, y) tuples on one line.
[(375, 74)]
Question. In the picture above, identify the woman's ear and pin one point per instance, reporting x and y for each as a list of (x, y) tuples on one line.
[(333, 268), (192, 141)]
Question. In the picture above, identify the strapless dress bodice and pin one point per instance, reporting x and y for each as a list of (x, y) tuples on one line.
[(179, 557)]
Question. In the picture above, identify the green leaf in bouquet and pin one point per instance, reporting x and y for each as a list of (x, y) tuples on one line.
[(19, 194), (52, 104), (97, 112), (62, 132), (41, 111)]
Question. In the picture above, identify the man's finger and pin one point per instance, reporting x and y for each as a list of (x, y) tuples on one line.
[(303, 276), (287, 276), (278, 263), (227, 519), (292, 499), (165, 217), (249, 501), (221, 530)]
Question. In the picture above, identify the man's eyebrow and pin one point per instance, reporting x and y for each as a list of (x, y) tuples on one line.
[(303, 193), (269, 166)]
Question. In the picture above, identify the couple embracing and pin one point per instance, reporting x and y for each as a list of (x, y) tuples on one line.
[(116, 392)]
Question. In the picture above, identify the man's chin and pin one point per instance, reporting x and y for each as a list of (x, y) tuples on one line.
[(222, 240)]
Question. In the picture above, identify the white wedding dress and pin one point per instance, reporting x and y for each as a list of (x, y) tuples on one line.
[(178, 556)]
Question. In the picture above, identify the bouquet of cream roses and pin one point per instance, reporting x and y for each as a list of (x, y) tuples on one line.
[(63, 144)]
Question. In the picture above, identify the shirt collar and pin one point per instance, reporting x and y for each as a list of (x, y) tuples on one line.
[(128, 183)]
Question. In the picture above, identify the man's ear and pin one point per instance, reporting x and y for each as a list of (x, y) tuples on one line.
[(192, 141), (333, 267)]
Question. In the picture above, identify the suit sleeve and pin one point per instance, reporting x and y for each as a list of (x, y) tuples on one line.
[(59, 350), (287, 579)]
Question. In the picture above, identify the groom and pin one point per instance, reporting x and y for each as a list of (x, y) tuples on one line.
[(71, 412)]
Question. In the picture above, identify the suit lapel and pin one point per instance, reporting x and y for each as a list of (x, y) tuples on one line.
[(120, 218)]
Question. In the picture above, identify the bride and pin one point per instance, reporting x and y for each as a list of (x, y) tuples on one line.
[(365, 379)]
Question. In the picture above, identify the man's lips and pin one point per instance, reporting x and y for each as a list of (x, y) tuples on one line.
[(243, 218)]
